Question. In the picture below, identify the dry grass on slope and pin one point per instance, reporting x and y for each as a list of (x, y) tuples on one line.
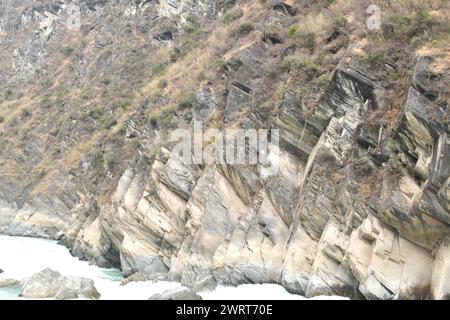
[(165, 79)]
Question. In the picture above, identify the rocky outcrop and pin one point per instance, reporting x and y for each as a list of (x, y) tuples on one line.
[(359, 205), (50, 284), (176, 294), (8, 282), (300, 228)]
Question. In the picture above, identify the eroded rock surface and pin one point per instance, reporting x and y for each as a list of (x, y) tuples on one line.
[(8, 282), (177, 294), (360, 207), (51, 284)]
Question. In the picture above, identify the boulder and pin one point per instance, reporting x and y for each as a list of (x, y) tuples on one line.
[(8, 282), (176, 294), (51, 284), (135, 277)]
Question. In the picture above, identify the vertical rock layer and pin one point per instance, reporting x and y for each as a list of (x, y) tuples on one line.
[(357, 208)]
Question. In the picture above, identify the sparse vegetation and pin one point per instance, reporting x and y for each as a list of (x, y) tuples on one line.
[(232, 64), (175, 54), (108, 122), (220, 65), (375, 58), (167, 118), (279, 93), (363, 167), (192, 24), (25, 113), (293, 30), (394, 75), (67, 51), (158, 68), (323, 80), (162, 83), (339, 21), (46, 102), (244, 29), (295, 64), (232, 15), (47, 84), (110, 161), (302, 37), (187, 100), (158, 86), (95, 111), (415, 25)]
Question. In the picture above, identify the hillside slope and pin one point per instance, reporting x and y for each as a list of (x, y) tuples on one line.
[(360, 206)]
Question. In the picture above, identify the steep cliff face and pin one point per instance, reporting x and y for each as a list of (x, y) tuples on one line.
[(359, 207)]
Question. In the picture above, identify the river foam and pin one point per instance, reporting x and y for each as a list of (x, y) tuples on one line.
[(22, 257)]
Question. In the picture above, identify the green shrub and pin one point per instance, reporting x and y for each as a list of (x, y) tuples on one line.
[(230, 16), (158, 68), (339, 21), (273, 32), (153, 117), (8, 94), (201, 76), (280, 92), (197, 34), (308, 40), (134, 142), (47, 84), (290, 63), (187, 100), (162, 84), (294, 64), (192, 24), (303, 38), (94, 111), (126, 102), (364, 166), (175, 54), (25, 113), (394, 76), (292, 31), (108, 122), (323, 80), (128, 28), (220, 65), (46, 102), (376, 58), (229, 3), (167, 118), (106, 81), (233, 63), (227, 17), (86, 94), (244, 29), (414, 25), (67, 51), (110, 161)]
